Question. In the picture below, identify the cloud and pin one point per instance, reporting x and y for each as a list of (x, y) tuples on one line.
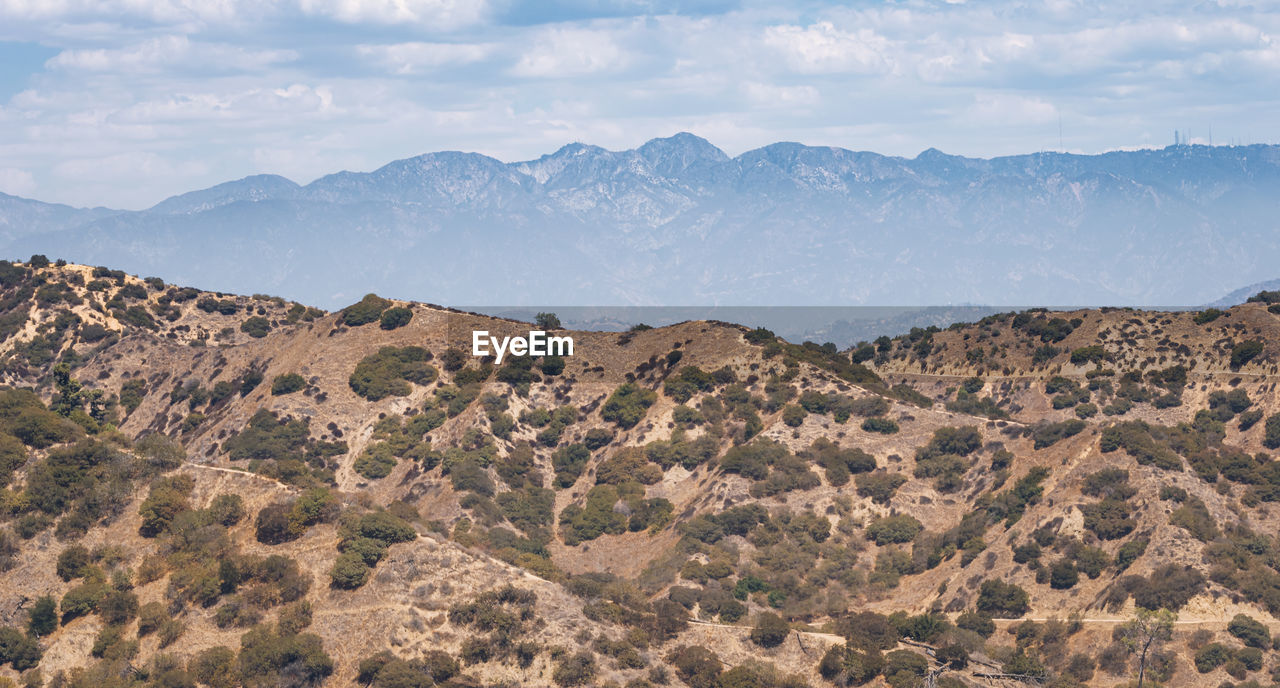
[(563, 52), (310, 86), (440, 14), (16, 182), (98, 169), (822, 48), (418, 57), (170, 54), (1009, 109), (771, 95)]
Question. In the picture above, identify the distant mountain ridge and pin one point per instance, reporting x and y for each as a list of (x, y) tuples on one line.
[(678, 222), (1241, 295)]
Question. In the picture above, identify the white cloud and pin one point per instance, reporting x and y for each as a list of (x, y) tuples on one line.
[(823, 48), (773, 95), (1007, 109), (441, 14), (251, 86), (16, 182), (417, 57), (562, 51), (170, 54), (124, 164)]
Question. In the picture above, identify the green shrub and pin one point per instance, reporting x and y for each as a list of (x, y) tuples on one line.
[(1002, 600), (575, 670), (43, 617), (256, 326), (388, 372), (287, 384), (627, 405), (82, 600), (879, 486), (1089, 354), (1211, 657), (20, 651), (365, 311), (349, 571), (1271, 440), (596, 518), (1250, 631), (72, 562), (894, 529), (395, 317), (1063, 575), (769, 630), (1244, 352), (1109, 519), (976, 622), (884, 426), (1168, 587), (375, 462), (1048, 434)]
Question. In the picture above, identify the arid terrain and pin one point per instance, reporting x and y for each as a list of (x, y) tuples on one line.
[(221, 490)]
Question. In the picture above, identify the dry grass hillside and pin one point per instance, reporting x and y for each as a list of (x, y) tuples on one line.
[(208, 489)]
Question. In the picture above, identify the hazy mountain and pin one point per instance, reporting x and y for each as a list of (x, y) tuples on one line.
[(678, 222), (1242, 294), (21, 217)]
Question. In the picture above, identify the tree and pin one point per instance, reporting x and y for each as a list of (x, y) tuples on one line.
[(44, 617), (547, 321), (770, 630), (1144, 632)]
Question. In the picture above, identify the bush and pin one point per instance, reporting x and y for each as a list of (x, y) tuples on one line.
[(72, 562), (770, 630), (1211, 657), (1048, 434), (884, 426), (575, 670), (256, 327), (879, 486), (393, 318), (1244, 352), (82, 600), (271, 527), (375, 462), (1002, 600), (1063, 575), (43, 617), (894, 529), (367, 310), (388, 372), (1168, 587), (627, 405), (287, 384), (976, 622), (1272, 438), (20, 651), (349, 571), (1250, 631)]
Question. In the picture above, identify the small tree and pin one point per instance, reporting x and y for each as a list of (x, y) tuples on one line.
[(1144, 632), (770, 630), (547, 321)]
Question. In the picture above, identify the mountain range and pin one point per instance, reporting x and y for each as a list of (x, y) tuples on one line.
[(677, 222)]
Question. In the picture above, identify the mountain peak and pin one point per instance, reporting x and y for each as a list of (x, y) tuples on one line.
[(674, 154), (257, 187)]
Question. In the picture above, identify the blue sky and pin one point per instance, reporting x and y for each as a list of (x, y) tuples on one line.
[(125, 102)]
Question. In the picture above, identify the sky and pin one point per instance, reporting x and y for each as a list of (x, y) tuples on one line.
[(122, 103)]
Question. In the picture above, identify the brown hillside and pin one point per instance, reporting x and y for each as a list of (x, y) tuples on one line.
[(634, 514)]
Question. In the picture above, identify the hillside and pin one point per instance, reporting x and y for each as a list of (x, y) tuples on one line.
[(240, 490), (780, 225)]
